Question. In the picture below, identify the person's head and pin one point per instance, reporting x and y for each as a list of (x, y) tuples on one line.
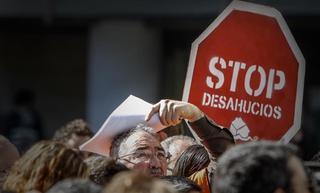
[(9, 154), (260, 167), (74, 133), (44, 164), (137, 182), (102, 169), (174, 146), (313, 172), (193, 159), (182, 184), (139, 148), (75, 186)]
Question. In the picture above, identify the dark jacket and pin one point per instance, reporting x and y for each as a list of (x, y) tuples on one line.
[(215, 138)]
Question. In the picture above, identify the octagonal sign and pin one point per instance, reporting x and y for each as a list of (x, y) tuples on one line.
[(246, 72)]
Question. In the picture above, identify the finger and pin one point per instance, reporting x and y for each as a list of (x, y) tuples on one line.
[(175, 116), (155, 109), (169, 113), (163, 113)]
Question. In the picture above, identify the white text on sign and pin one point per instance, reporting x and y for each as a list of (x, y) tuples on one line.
[(273, 80), (265, 79), (241, 105)]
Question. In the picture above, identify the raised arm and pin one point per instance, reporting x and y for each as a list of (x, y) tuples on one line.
[(215, 138)]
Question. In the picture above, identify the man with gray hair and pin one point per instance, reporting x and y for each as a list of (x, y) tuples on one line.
[(140, 147), (174, 146)]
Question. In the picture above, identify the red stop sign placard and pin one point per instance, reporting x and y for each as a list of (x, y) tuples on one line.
[(246, 72)]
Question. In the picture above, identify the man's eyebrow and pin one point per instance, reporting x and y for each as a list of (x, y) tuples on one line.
[(142, 148), (147, 147)]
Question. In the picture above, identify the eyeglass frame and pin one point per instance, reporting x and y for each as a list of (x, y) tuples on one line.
[(148, 157)]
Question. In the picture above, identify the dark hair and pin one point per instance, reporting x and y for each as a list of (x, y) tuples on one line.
[(193, 159), (75, 186), (76, 126), (120, 138), (102, 169), (182, 184), (255, 167)]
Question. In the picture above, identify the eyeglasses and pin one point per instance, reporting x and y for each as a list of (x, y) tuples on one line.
[(144, 156)]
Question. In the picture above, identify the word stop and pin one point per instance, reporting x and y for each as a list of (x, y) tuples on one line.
[(272, 80)]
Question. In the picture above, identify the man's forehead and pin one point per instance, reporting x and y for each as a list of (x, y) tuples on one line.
[(141, 140)]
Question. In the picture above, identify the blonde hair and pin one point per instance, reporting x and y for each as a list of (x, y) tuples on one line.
[(44, 164), (137, 182)]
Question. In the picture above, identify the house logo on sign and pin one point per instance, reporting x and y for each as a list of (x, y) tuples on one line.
[(240, 130)]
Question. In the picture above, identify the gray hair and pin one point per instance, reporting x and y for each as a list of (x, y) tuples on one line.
[(167, 143), (122, 137)]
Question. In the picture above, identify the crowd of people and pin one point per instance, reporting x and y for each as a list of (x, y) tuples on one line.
[(140, 161)]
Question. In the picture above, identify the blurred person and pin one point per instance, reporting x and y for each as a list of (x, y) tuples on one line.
[(140, 147), (75, 186), (193, 159), (23, 125), (44, 164), (74, 133), (137, 182), (193, 164), (9, 155), (313, 173), (182, 184), (260, 167), (315, 182), (174, 146), (216, 139), (102, 169)]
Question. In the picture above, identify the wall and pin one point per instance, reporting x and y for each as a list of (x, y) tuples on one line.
[(50, 62)]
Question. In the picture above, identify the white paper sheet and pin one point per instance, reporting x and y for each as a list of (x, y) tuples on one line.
[(126, 116)]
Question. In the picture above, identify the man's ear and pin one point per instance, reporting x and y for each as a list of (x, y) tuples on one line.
[(279, 190)]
